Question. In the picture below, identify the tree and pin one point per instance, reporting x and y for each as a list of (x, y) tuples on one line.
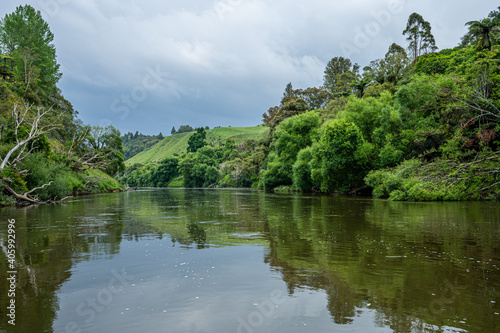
[(106, 146), (345, 83), (197, 140), (173, 131), (418, 32), (389, 69), (291, 106), (484, 31), (289, 92), (292, 135), (167, 170), (5, 69), (316, 98), (361, 84), (27, 128), (335, 66), (337, 165), (26, 37), (185, 129), (394, 63), (198, 169)]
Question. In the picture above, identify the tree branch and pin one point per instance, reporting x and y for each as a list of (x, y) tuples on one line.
[(38, 188)]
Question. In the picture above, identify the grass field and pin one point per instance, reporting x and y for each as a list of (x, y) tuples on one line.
[(178, 143)]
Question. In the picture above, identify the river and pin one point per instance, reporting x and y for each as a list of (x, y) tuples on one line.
[(190, 260)]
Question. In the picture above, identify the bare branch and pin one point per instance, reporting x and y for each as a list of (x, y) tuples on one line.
[(35, 131), (20, 197), (65, 198), (39, 188), (95, 161)]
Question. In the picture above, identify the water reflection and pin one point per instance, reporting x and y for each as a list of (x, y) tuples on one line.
[(49, 241), (402, 267)]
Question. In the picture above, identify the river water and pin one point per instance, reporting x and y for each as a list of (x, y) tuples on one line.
[(188, 260)]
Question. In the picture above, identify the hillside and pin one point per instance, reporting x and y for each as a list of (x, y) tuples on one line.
[(178, 143), (134, 144)]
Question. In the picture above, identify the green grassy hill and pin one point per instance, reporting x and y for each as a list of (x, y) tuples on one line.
[(178, 143)]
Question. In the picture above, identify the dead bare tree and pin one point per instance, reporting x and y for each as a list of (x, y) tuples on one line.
[(24, 116)]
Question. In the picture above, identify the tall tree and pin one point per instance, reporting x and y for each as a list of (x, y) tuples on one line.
[(26, 37), (336, 66), (289, 92), (389, 69), (484, 30), (173, 131), (418, 32)]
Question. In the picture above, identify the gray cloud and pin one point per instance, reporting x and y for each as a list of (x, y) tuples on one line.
[(221, 62)]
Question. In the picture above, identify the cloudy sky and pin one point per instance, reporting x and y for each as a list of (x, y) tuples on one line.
[(148, 65)]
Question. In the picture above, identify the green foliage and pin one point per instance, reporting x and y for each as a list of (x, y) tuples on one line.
[(40, 144), (276, 173), (197, 140), (484, 30), (290, 107), (340, 170), (102, 183), (289, 92), (367, 114), (134, 145), (199, 169), (315, 98), (291, 136), (302, 179), (241, 169), (167, 170), (27, 38), (229, 151), (43, 171), (391, 69), (376, 89), (184, 129), (335, 67), (5, 200), (334, 107), (441, 179), (109, 142), (65, 181), (294, 134)]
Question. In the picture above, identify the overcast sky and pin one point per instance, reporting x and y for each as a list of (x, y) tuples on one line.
[(148, 65)]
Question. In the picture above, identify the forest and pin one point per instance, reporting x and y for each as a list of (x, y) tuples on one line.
[(46, 153), (418, 124)]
